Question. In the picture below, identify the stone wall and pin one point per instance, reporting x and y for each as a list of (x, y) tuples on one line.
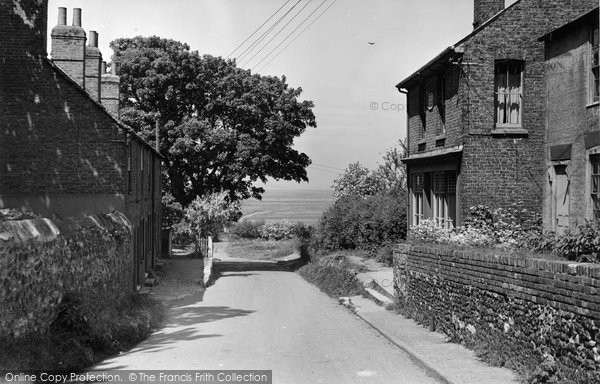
[(528, 307), (44, 261)]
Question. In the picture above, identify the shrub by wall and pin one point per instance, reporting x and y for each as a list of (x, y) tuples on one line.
[(42, 262), (525, 311), (364, 223)]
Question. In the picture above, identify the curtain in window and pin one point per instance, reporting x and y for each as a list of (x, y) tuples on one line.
[(514, 95), (509, 90), (501, 81)]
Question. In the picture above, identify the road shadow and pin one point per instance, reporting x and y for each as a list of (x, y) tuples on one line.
[(182, 326)]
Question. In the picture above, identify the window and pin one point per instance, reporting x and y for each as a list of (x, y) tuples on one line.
[(417, 197), (594, 66), (509, 92), (423, 109), (442, 102), (595, 185), (444, 199)]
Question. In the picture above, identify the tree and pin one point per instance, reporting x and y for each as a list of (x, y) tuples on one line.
[(221, 127), (359, 181), (393, 170), (206, 216)]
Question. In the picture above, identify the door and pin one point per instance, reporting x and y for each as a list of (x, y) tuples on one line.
[(561, 199)]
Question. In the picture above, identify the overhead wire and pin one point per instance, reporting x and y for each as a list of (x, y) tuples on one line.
[(297, 36), (279, 31), (258, 29), (264, 34), (291, 33)]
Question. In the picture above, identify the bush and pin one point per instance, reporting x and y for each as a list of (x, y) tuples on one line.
[(247, 229), (581, 244), (334, 276), (278, 230), (502, 228), (363, 223), (75, 342)]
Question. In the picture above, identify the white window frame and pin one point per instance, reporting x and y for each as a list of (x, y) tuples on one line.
[(588, 182), (417, 198), (441, 195), (592, 97), (508, 63)]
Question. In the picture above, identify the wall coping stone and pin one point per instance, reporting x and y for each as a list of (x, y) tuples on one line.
[(556, 266)]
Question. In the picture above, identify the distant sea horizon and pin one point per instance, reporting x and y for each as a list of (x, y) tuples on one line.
[(305, 205)]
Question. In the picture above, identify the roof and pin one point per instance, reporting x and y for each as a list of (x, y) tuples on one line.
[(580, 20), (436, 154), (437, 63), (125, 127), (425, 70)]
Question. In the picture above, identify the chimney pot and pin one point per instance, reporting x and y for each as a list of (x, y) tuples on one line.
[(77, 17), (62, 16), (103, 71), (94, 39), (114, 68)]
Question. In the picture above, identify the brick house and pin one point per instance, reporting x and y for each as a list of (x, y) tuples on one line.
[(572, 187), (63, 151), (476, 114)]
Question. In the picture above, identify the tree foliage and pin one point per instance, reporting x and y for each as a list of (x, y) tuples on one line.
[(355, 222), (359, 181), (206, 216), (221, 127)]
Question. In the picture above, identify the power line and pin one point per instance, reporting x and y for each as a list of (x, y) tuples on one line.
[(297, 36), (328, 166), (258, 29), (279, 31), (291, 33), (262, 37), (323, 170)]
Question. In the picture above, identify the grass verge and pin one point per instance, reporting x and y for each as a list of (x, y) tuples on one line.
[(333, 275), (261, 249), (74, 343)]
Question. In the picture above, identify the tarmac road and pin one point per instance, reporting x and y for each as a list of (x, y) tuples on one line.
[(274, 321)]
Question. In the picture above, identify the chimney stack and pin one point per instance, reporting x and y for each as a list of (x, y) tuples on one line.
[(110, 90), (93, 64), (483, 10), (68, 46)]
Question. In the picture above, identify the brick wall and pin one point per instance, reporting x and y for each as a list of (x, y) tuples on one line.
[(526, 306), (43, 262), (58, 140), (483, 10), (18, 39)]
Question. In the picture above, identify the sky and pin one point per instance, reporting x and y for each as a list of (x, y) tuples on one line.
[(359, 112)]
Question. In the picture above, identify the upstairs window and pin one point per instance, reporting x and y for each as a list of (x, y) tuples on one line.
[(442, 102), (509, 93), (594, 66), (423, 109)]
